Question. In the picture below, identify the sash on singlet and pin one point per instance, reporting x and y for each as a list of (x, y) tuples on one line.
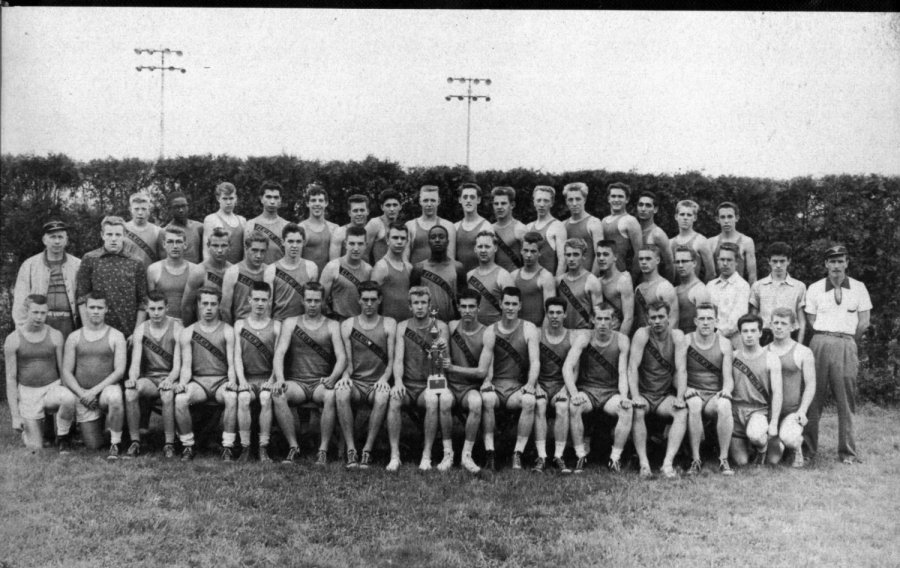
[(751, 376), (216, 278), (349, 276), (289, 280), (573, 301), (245, 280), (478, 286), (549, 353), (141, 244), (276, 240), (360, 338), (152, 345), (435, 279), (642, 301), (654, 352), (464, 347), (206, 344), (258, 343), (510, 253), (511, 351), (701, 360), (595, 356), (311, 343), (417, 339)]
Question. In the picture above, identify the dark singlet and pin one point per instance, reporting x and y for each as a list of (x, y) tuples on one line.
[(578, 311), (193, 240), (441, 282), (792, 382), (367, 252), (142, 245), (317, 243), (419, 249), (257, 350), (600, 364), (94, 360), (213, 276), (615, 302), (36, 361), (272, 232), (465, 244), (623, 245), (209, 354), (240, 305), (380, 245), (740, 261), (747, 372), (552, 358), (511, 360), (173, 286), (657, 370), (158, 355), (416, 343), (395, 291), (369, 350), (704, 366), (547, 257), (687, 310), (491, 294), (311, 353), (579, 230), (465, 351), (345, 289), (509, 249), (699, 268), (286, 291), (644, 295), (235, 239), (532, 298)]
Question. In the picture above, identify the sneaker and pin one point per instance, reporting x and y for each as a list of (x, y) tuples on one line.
[(425, 464), (64, 444), (321, 457), (264, 454), (646, 472), (695, 468), (579, 464), (134, 450), (614, 466), (725, 467), (227, 455), (113, 452), (539, 465), (446, 463), (187, 454), (668, 472), (760, 458), (517, 460), (244, 457), (393, 465), (560, 464), (798, 459), (366, 460), (292, 455), (469, 464), (352, 460), (169, 451), (489, 460)]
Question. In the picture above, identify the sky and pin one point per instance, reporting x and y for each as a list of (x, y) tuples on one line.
[(759, 94)]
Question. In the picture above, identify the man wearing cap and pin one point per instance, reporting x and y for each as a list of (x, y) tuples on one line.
[(193, 230), (838, 309), (51, 273), (224, 218)]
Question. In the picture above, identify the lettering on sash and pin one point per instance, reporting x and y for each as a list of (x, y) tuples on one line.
[(205, 343), (289, 280), (141, 244), (642, 304), (597, 357), (440, 282), (658, 357), (511, 352), (214, 278), (460, 342), (515, 257), (478, 286), (276, 240), (311, 343), (617, 311), (549, 353), (417, 339), (360, 338), (698, 358), (751, 376), (151, 345), (256, 342), (245, 280), (573, 301), (349, 276)]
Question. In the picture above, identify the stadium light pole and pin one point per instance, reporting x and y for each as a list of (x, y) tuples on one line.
[(162, 85), (468, 97)]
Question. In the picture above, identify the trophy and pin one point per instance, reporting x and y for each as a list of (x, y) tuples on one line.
[(436, 378)]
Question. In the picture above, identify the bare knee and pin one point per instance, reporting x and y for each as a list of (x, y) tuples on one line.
[(265, 398)]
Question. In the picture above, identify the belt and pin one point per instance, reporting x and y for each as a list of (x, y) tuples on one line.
[(59, 314), (836, 334)]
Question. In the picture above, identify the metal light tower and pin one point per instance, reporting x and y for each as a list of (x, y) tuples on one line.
[(468, 97), (162, 86)]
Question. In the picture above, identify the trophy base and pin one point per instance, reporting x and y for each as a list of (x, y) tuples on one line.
[(437, 383)]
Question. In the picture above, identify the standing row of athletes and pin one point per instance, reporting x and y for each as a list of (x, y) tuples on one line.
[(537, 318)]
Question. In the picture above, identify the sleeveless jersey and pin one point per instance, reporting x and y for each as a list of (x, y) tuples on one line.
[(209, 353), (547, 257), (380, 245), (257, 350), (240, 304), (235, 237), (416, 343), (94, 360), (158, 355), (173, 286), (623, 245), (532, 298), (214, 276), (419, 249), (491, 294), (367, 252), (704, 366), (509, 249), (644, 295), (615, 302), (552, 359), (740, 261), (745, 392), (699, 269), (316, 245), (287, 291), (579, 310), (345, 289), (142, 245), (36, 361), (311, 353), (657, 370), (441, 282), (465, 244), (465, 351), (272, 231), (579, 230), (395, 293), (193, 240), (600, 364), (687, 311), (510, 356), (791, 380), (369, 350)]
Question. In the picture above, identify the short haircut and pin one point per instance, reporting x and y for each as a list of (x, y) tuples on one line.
[(437, 227), (607, 243), (427, 188), (512, 291), (575, 244), (175, 231), (111, 220), (176, 195), (419, 291), (313, 286), (211, 291), (293, 228), (708, 306), (578, 186), (260, 286), (651, 196), (556, 301), (533, 238), (687, 249), (548, 188), (139, 197), (502, 190), (652, 248), (255, 237), (780, 248), (225, 188), (659, 305), (219, 233), (491, 234), (605, 306), (732, 247), (785, 313), (689, 205), (619, 185), (38, 299), (397, 226), (355, 232), (728, 205), (387, 195), (468, 294), (97, 295), (157, 296), (369, 286), (314, 189), (750, 318), (357, 198), (469, 185), (270, 185)]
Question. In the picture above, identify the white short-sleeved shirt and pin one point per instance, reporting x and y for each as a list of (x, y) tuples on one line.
[(834, 317), (767, 295), (731, 296)]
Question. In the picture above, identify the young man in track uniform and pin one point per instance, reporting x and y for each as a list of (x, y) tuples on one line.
[(621, 227), (379, 226), (254, 351), (193, 230), (33, 354), (657, 384), (536, 283), (646, 209), (798, 386), (690, 290), (155, 366), (488, 278), (51, 273), (596, 377), (211, 273), (686, 215), (358, 211), (442, 275), (757, 398), (309, 360), (468, 372), (555, 343), (706, 359), (580, 288), (581, 224), (369, 344), (207, 370), (225, 218), (393, 274), (471, 224), (552, 229), (420, 228), (171, 275), (342, 276), (269, 223), (508, 229), (617, 287), (515, 344), (653, 288), (143, 239), (319, 230), (287, 276), (779, 290), (411, 370), (239, 278), (93, 364), (729, 293), (728, 215)]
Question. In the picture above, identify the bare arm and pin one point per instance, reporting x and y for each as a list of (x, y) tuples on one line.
[(558, 232), (10, 346), (229, 352), (667, 294), (337, 241), (635, 357), (328, 276), (532, 340), (68, 370), (623, 368), (340, 357), (486, 361), (346, 328), (570, 366), (172, 377), (451, 235), (774, 364), (284, 341), (399, 354), (680, 367), (187, 357), (390, 327), (706, 257), (863, 325), (727, 372), (137, 352), (750, 259), (229, 279), (808, 376), (547, 283), (239, 356), (626, 292), (196, 278)]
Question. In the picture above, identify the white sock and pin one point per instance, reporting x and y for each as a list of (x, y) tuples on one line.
[(489, 442), (541, 448), (579, 450), (467, 448), (448, 446), (615, 454), (115, 437), (263, 440), (521, 441), (245, 438), (187, 439), (63, 426), (228, 439), (559, 449)]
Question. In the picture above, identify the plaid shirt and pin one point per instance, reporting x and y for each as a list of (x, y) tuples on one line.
[(121, 278), (767, 295)]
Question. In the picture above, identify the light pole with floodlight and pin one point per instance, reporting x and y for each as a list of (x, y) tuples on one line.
[(468, 97), (162, 86)]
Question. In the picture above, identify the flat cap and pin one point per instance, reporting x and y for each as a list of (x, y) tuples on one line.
[(836, 250), (53, 226)]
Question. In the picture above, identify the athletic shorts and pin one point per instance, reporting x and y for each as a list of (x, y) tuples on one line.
[(414, 389), (599, 396), (654, 400), (549, 390), (742, 416), (365, 389), (211, 384), (506, 389), (461, 391), (256, 383), (31, 399), (85, 414), (705, 396), (307, 385)]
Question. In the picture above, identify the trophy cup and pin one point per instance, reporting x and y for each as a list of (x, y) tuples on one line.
[(436, 378)]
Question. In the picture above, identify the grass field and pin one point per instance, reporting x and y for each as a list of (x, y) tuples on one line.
[(81, 510)]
